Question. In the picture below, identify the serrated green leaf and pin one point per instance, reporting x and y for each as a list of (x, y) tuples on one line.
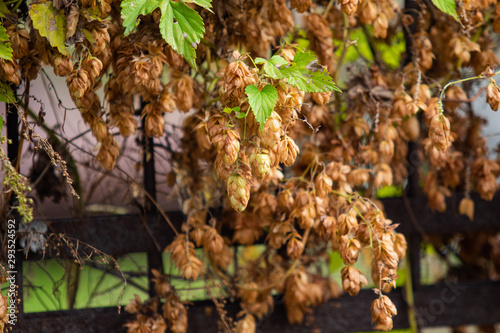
[(259, 60), (182, 28), (5, 47), (262, 102), (131, 9), (50, 23), (240, 115), (207, 4), (302, 59), (6, 94), (447, 6), (273, 66)]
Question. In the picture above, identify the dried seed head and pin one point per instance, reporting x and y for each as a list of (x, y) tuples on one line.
[(246, 324), (411, 127), (439, 132)]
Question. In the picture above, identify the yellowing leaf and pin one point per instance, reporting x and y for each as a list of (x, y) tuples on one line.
[(5, 47), (50, 23)]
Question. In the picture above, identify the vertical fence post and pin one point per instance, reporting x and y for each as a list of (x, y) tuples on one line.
[(148, 158)]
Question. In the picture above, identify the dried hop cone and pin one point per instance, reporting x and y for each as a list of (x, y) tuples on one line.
[(108, 153), (261, 164), (63, 65), (230, 147), (493, 95), (271, 133), (466, 207), (238, 190), (352, 280), (349, 6), (154, 124), (93, 66), (78, 83), (382, 312), (236, 77), (301, 5), (439, 132), (4, 317)]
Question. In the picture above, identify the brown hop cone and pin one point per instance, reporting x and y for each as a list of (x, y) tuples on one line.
[(301, 5), (367, 12), (78, 83), (466, 207), (271, 133), (126, 123), (184, 93), (246, 324), (184, 256), (63, 65), (383, 175), (400, 246), (216, 127), (321, 38), (222, 170), (349, 249), (493, 95), (162, 286), (9, 71), (154, 124), (30, 65), (347, 222), (167, 101), (411, 127), (382, 312), (323, 185), (295, 247), (292, 150), (380, 26), (439, 132), (230, 147), (212, 241), (261, 164), (352, 280), (176, 314), (238, 189), (359, 176), (349, 6), (321, 98), (237, 76), (93, 66), (100, 131), (19, 39), (108, 153)]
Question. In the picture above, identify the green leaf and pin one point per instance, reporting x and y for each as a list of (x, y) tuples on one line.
[(1, 123), (5, 47), (262, 102), (182, 28), (309, 81), (207, 4), (131, 9), (260, 60), (447, 7), (3, 9), (50, 23), (273, 66), (302, 59), (6, 94)]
